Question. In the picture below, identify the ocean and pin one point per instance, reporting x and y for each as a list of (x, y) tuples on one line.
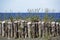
[(23, 15)]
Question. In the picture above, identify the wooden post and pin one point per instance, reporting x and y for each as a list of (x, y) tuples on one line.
[(39, 24), (57, 25), (28, 24), (3, 28), (19, 31), (22, 26), (16, 29), (49, 27), (53, 28), (42, 29), (36, 29), (33, 29), (59, 30), (26, 28), (10, 29)]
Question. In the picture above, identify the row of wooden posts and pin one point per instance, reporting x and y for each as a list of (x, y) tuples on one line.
[(24, 29)]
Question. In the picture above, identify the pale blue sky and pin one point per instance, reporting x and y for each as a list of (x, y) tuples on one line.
[(23, 5)]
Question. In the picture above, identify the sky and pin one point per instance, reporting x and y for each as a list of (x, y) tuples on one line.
[(23, 5)]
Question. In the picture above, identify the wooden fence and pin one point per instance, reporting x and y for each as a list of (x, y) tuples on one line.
[(25, 29)]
